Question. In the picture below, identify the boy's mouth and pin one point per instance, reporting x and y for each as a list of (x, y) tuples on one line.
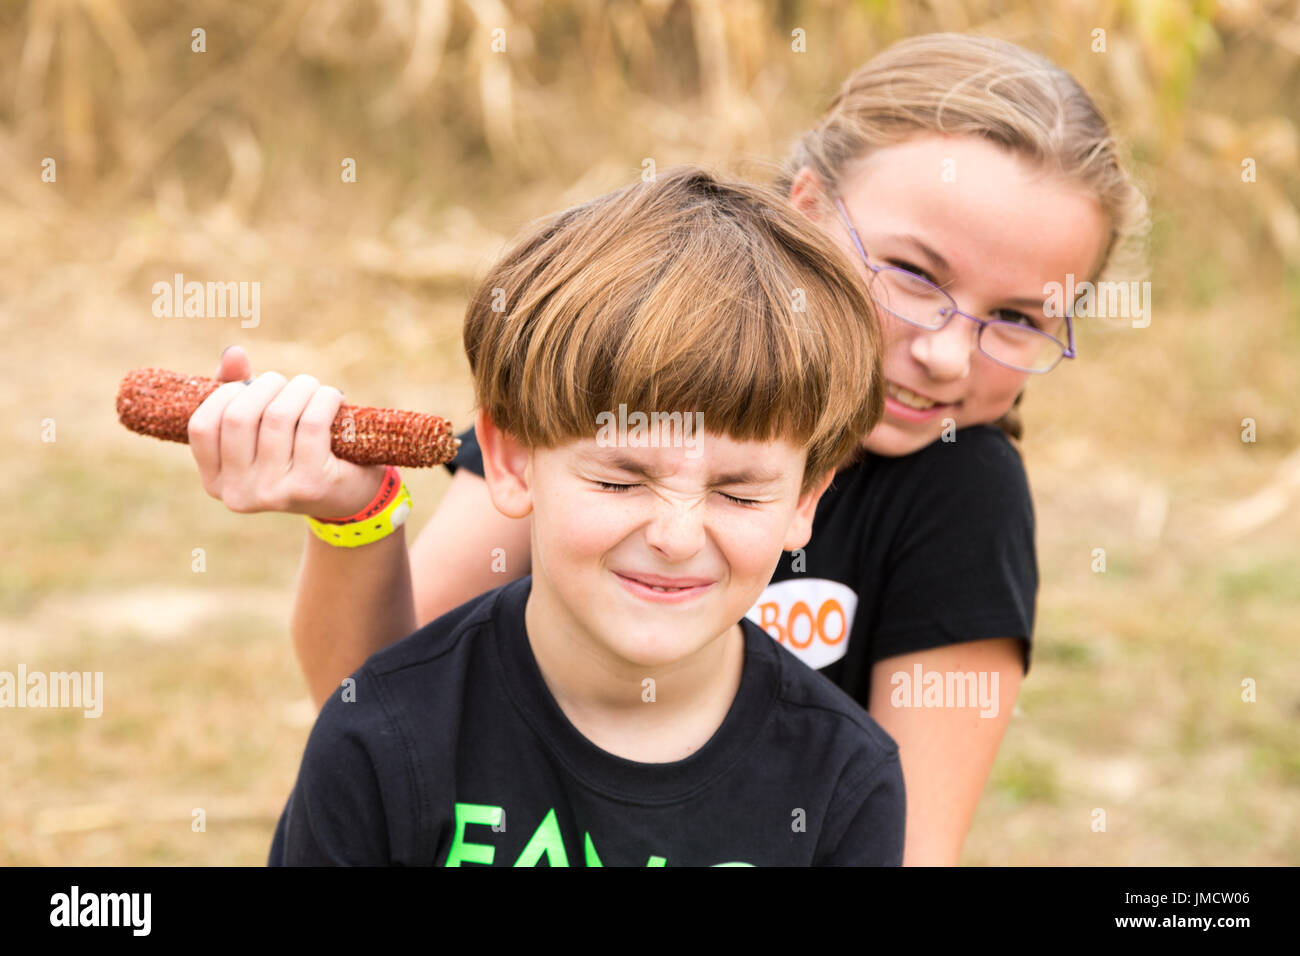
[(658, 588)]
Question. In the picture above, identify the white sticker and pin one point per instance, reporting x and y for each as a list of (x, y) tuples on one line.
[(810, 617)]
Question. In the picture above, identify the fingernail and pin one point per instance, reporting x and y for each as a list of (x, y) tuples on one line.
[(225, 350)]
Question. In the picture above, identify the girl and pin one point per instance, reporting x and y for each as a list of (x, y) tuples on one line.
[(963, 175)]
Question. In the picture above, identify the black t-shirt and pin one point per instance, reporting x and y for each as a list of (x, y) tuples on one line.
[(454, 724), (906, 554)]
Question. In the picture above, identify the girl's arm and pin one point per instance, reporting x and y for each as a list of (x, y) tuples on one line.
[(265, 446), (352, 602), (467, 548), (947, 752)]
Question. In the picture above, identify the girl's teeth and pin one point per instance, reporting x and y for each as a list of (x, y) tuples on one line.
[(910, 399)]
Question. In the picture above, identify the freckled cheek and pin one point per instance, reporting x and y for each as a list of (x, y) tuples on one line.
[(578, 529), (750, 542)]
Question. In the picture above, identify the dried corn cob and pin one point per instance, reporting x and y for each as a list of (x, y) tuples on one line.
[(153, 401)]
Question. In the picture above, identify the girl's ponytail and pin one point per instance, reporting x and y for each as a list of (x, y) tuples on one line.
[(1011, 423)]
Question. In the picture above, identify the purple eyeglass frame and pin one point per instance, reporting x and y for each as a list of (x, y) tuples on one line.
[(1068, 351)]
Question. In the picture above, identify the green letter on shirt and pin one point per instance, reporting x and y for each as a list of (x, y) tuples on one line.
[(462, 852), (545, 840), (590, 851)]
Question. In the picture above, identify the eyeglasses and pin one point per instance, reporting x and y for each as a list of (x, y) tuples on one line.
[(917, 301)]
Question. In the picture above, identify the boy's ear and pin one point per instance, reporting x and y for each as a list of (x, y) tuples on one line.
[(808, 194), (506, 468), (801, 526)]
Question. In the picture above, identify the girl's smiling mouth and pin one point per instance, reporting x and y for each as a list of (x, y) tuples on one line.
[(910, 405)]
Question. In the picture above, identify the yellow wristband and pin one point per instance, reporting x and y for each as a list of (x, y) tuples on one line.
[(369, 530)]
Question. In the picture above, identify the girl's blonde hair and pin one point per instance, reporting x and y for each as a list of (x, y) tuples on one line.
[(954, 84)]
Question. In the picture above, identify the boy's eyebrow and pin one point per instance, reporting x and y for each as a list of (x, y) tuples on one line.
[(746, 476), (749, 476)]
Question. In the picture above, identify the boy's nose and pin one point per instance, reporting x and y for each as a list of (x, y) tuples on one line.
[(677, 530)]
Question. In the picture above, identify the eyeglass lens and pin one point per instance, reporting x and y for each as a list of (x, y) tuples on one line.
[(914, 300)]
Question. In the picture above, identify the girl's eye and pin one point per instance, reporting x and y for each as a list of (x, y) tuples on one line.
[(1011, 315), (915, 270)]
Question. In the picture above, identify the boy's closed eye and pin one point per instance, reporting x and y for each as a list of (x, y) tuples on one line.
[(610, 486)]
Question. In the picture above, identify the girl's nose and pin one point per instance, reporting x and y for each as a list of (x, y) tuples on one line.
[(946, 353)]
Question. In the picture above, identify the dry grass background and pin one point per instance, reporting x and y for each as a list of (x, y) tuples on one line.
[(225, 165)]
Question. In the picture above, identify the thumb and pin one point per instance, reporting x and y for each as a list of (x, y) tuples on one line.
[(234, 365)]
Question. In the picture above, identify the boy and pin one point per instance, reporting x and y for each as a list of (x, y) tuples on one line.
[(616, 707)]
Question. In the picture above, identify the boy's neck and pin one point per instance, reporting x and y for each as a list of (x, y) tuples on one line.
[(608, 699)]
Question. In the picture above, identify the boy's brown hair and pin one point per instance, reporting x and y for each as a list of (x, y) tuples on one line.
[(686, 293)]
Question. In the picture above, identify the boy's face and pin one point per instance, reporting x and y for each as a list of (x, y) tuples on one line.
[(645, 553)]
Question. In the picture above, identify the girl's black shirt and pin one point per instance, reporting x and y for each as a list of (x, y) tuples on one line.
[(907, 553)]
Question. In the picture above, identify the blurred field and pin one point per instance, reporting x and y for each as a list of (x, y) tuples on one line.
[(225, 165)]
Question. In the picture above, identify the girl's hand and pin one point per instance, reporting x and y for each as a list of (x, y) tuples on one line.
[(265, 446)]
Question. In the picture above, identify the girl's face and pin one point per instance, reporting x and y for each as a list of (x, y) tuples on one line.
[(981, 222)]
